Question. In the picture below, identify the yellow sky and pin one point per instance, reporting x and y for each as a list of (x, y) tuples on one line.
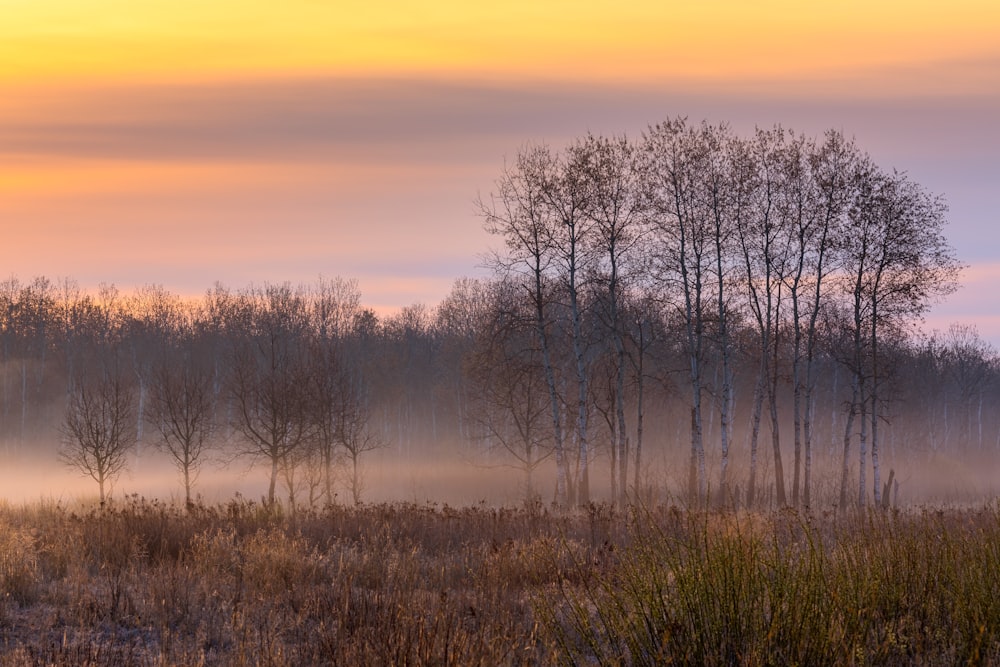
[(166, 140), (184, 39)]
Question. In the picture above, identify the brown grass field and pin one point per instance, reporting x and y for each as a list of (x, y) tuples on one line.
[(146, 583)]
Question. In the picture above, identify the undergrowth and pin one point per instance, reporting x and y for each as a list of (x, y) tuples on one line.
[(145, 583), (885, 588)]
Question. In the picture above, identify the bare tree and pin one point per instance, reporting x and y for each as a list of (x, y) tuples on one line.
[(618, 214), (28, 324), (340, 413), (459, 319), (182, 407), (509, 399), (971, 366), (270, 379), (765, 238), (676, 164), (357, 438), (517, 212), (568, 194), (643, 332), (100, 428), (154, 318), (824, 198), (333, 306), (728, 199), (895, 263)]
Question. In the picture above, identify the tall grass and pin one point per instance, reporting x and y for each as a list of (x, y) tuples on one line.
[(145, 583), (712, 589)]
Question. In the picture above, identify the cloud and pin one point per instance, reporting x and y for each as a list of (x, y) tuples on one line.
[(314, 119), (287, 178), (363, 120)]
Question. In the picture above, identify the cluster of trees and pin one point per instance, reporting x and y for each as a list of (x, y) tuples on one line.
[(690, 291), (268, 372), (776, 253)]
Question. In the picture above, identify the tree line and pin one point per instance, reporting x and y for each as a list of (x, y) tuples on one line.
[(689, 290), (268, 374)]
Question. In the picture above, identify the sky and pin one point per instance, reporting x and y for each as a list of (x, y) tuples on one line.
[(183, 142)]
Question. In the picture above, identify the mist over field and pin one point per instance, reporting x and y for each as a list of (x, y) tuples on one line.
[(692, 317), (464, 477), (451, 334)]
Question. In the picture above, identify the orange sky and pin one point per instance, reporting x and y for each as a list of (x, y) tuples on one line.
[(639, 41), (181, 142)]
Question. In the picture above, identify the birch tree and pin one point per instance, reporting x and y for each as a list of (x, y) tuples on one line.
[(567, 195), (896, 263), (765, 243), (517, 212), (728, 201), (617, 211), (676, 162), (820, 202)]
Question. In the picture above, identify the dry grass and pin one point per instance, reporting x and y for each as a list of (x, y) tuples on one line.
[(144, 583), (886, 588)]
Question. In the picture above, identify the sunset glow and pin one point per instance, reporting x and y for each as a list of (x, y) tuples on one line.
[(276, 141)]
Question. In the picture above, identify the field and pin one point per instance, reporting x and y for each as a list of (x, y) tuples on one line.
[(238, 583)]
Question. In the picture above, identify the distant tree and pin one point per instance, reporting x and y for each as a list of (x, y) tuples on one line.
[(334, 304), (76, 318), (340, 414), (100, 426), (509, 399), (460, 318), (970, 362), (407, 376), (269, 383), (356, 436), (154, 318), (27, 329), (325, 386), (333, 308), (182, 407)]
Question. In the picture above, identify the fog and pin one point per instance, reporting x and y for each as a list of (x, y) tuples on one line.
[(460, 476), (564, 365)]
